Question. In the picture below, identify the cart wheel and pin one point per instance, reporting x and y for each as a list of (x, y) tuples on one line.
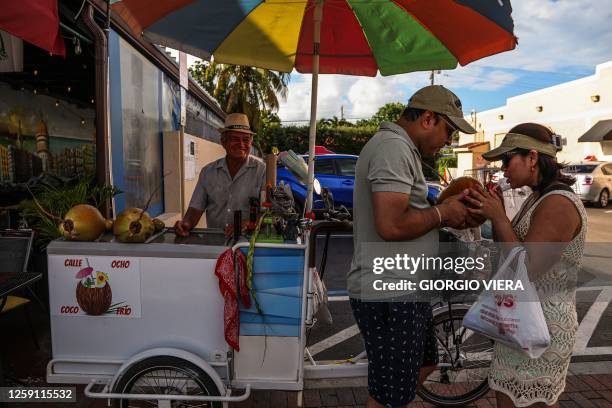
[(165, 375), (461, 376)]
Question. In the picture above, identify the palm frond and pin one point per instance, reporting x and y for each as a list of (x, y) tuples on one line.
[(243, 89), (57, 201)]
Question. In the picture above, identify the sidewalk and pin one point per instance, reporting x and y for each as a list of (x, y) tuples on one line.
[(581, 391), (588, 385)]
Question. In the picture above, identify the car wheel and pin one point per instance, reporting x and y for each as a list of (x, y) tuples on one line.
[(604, 198)]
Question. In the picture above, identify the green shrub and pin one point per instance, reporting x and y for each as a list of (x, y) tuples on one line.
[(342, 139)]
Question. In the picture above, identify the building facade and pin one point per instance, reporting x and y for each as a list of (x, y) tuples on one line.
[(55, 124), (569, 109)]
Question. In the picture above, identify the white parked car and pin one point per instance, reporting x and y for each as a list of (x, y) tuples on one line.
[(593, 181)]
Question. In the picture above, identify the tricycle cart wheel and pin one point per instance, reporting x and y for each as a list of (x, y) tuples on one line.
[(461, 376), (166, 375)]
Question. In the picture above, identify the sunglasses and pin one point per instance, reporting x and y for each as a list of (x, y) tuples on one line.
[(507, 158), (451, 131)]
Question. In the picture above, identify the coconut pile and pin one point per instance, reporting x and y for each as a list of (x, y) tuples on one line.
[(84, 222)]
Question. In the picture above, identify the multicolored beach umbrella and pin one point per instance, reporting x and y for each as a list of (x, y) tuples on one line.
[(353, 37), (358, 37)]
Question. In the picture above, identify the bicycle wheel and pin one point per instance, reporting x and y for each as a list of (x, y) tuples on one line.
[(464, 360), (166, 375)]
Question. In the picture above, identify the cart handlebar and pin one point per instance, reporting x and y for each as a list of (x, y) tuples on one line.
[(104, 394), (321, 228)]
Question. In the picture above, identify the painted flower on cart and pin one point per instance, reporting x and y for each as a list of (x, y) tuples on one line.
[(101, 279)]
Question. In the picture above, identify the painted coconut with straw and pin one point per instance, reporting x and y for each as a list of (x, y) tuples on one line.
[(93, 292)]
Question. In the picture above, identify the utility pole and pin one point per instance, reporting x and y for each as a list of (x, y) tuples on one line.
[(432, 76)]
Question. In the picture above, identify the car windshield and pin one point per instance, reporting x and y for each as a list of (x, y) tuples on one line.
[(580, 168)]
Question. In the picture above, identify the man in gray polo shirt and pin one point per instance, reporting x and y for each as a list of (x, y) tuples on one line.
[(390, 204), (226, 185)]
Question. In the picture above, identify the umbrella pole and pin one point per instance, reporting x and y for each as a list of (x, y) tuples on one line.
[(312, 136)]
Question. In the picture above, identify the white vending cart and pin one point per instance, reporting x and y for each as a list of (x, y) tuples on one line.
[(146, 321)]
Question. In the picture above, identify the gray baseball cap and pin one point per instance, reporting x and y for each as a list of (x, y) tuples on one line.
[(439, 99), (513, 141)]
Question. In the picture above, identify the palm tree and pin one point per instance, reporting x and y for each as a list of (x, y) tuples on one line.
[(237, 88)]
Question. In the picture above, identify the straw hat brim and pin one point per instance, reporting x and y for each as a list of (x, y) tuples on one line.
[(224, 129)]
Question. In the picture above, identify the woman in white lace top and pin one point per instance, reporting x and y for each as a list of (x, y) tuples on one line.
[(552, 226)]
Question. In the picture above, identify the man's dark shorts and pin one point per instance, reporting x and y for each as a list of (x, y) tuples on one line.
[(399, 339)]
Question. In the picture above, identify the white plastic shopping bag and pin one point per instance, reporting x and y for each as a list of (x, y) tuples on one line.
[(512, 317), (320, 310)]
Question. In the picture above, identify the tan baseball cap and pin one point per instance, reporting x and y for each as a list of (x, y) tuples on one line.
[(513, 141), (237, 122), (439, 99)]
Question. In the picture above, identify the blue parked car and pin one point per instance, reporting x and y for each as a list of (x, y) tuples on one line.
[(337, 173)]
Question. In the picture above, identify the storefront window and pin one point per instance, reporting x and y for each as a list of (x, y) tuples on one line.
[(171, 104), (140, 89), (46, 114), (145, 103)]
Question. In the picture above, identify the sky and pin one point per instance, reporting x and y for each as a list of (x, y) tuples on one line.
[(558, 41)]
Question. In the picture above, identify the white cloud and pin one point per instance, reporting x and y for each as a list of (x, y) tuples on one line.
[(332, 93), (363, 96), (368, 94), (557, 35), (477, 78), (360, 96)]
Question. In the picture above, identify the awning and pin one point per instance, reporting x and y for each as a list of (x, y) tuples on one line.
[(35, 21), (471, 147), (602, 131)]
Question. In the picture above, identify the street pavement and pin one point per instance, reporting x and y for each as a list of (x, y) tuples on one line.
[(341, 340), (600, 224), (581, 391)]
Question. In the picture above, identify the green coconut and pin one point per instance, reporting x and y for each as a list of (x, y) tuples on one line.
[(458, 185), (83, 222), (135, 225)]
